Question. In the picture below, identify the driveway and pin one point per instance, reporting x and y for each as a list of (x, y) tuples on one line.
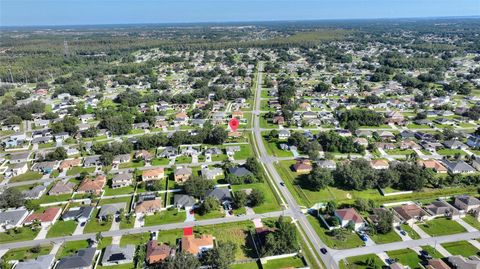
[(404, 237), (465, 225), (43, 233), (79, 229), (420, 232), (190, 216), (139, 221), (383, 256)]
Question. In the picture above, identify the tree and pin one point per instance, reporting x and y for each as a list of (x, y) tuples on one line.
[(209, 204), (362, 205), (217, 136), (198, 186), (11, 198), (240, 199), (322, 87), (330, 207), (181, 260), (282, 240), (57, 155), (221, 256), (385, 221), (256, 197), (318, 179), (253, 166)]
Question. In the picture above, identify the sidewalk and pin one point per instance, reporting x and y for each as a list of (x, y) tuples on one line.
[(420, 232)]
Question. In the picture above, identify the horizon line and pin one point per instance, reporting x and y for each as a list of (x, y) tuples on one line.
[(477, 16)]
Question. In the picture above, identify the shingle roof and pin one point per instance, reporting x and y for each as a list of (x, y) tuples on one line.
[(83, 258)]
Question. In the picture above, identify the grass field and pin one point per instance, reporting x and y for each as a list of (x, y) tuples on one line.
[(410, 231), (405, 257), (116, 200), (163, 217), (462, 248), (22, 234), (71, 247), (350, 240), (62, 228), (360, 262), (389, 237), (432, 252), (292, 262), (273, 148), (135, 239), (21, 254), (94, 225), (472, 221), (30, 175), (442, 226), (119, 266), (270, 204), (125, 190), (78, 169), (249, 265)]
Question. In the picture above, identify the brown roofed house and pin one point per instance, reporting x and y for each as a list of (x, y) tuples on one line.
[(67, 164), (48, 217), (62, 188), (434, 165), (153, 174), (379, 164), (194, 245), (303, 166), (157, 253), (237, 114), (410, 213), (93, 186), (149, 206), (437, 264), (182, 174)]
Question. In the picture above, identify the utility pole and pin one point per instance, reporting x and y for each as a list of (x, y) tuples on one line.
[(66, 51)]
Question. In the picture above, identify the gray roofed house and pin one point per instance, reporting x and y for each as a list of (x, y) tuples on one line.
[(91, 161), (45, 167), (41, 262), (454, 144), (213, 151), (168, 152), (12, 218), (115, 254), (239, 171), (467, 202), (19, 157), (283, 134), (327, 164), (121, 180), (441, 208), (42, 140), (457, 167), (111, 209), (122, 158), (62, 188), (81, 260), (35, 192), (80, 214), (211, 173), (221, 194), (183, 200)]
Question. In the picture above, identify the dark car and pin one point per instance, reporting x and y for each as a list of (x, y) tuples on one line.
[(323, 250), (364, 238), (82, 224), (390, 261)]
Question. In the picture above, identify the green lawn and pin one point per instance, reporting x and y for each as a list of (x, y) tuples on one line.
[(162, 161), (294, 262), (127, 224), (94, 225), (62, 228), (211, 215), (249, 265), (414, 235), (273, 148), (116, 200), (183, 159), (348, 240), (472, 221), (125, 190), (170, 237), (405, 257), (132, 164), (78, 169), (22, 234), (462, 248), (360, 262), (432, 252), (399, 151), (21, 254), (71, 247), (389, 237), (28, 176), (244, 153), (451, 152), (270, 204), (119, 266), (135, 239), (164, 217), (442, 226)]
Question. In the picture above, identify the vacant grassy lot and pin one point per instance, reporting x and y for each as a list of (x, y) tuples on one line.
[(405, 257), (360, 262), (135, 239), (294, 262), (21, 254), (30, 175), (348, 240), (270, 204), (250, 265), (71, 247), (389, 237), (442, 226), (462, 248), (119, 266), (432, 252), (62, 228), (78, 169), (410, 231), (163, 217), (94, 225), (125, 190)]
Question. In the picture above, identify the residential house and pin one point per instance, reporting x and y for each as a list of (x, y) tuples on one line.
[(183, 201), (41, 262), (458, 167), (34, 193), (280, 120), (437, 264), (239, 171), (16, 170), (153, 174), (211, 173), (361, 141), (440, 208), (92, 186), (83, 259), (91, 161), (460, 262), (283, 134), (111, 209), (196, 246), (303, 166), (379, 164), (473, 141), (144, 155), (122, 180), (223, 195), (409, 144), (46, 218), (327, 164), (148, 207), (45, 167), (20, 157), (394, 117), (454, 144), (182, 174), (181, 118), (467, 203), (434, 165), (69, 163), (386, 136), (410, 213), (115, 255), (122, 158), (80, 214), (62, 188), (158, 252), (168, 152), (350, 215), (12, 218)]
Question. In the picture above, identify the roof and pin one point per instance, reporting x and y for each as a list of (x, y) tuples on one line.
[(41, 262), (409, 211), (349, 214), (48, 215), (116, 253), (183, 200), (220, 194), (12, 216), (62, 187), (83, 258), (432, 164), (458, 166), (379, 163), (468, 200), (111, 209), (122, 177), (183, 171), (148, 205), (437, 264), (93, 184), (193, 245), (78, 212), (239, 171), (70, 163), (153, 172), (156, 252)]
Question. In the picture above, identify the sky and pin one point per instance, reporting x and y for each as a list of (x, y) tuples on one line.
[(90, 12)]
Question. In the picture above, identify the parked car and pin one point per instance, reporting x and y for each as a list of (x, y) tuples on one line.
[(402, 232), (282, 183), (323, 250)]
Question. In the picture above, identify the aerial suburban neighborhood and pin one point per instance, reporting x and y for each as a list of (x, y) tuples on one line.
[(353, 144)]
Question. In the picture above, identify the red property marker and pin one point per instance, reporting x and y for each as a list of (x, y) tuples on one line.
[(233, 124)]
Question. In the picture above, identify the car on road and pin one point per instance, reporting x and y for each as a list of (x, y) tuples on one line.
[(323, 250), (282, 183)]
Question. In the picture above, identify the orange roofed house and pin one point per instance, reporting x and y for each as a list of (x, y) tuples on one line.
[(47, 218), (93, 186), (350, 215), (153, 174), (434, 165), (67, 164), (197, 245), (379, 164), (303, 166), (157, 253), (149, 207)]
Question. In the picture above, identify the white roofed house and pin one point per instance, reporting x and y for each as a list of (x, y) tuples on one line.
[(122, 158)]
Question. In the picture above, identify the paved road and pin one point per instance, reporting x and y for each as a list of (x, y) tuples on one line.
[(290, 201), (170, 226), (430, 241)]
